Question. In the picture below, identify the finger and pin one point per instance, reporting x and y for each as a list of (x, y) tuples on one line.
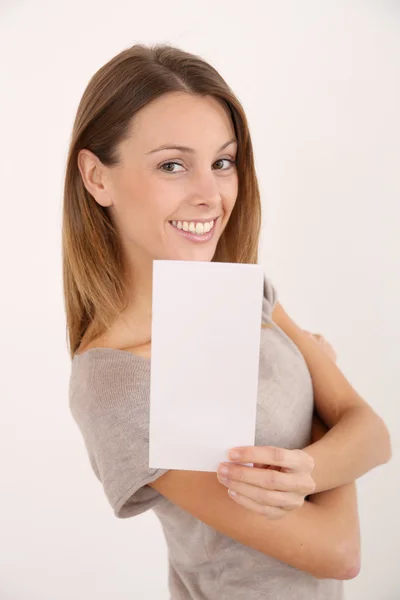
[(284, 500), (294, 460), (327, 347), (329, 351), (271, 512), (260, 466), (270, 479)]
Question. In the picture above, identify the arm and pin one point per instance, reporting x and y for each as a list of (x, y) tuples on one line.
[(357, 440), (319, 538), (348, 450), (342, 496)]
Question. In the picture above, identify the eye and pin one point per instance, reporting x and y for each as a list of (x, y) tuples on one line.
[(231, 162), (170, 163)]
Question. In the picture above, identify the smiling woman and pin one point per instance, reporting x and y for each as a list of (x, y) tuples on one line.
[(148, 109), (198, 191)]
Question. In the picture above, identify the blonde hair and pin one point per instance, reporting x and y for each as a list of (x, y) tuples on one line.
[(94, 277)]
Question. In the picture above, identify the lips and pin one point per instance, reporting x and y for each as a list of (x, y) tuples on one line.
[(195, 220), (195, 237)]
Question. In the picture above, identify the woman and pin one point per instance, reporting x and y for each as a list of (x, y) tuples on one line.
[(161, 166)]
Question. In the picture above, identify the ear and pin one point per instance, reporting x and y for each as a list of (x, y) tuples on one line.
[(94, 177)]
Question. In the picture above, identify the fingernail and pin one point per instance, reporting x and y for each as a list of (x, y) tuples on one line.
[(223, 480), (234, 455)]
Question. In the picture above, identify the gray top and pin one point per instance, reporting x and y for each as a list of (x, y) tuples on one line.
[(109, 400)]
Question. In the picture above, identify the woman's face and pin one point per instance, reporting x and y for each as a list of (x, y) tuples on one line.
[(155, 195)]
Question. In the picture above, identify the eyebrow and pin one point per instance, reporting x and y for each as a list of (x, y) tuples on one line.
[(186, 148)]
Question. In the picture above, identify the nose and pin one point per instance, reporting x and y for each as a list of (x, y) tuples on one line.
[(206, 190)]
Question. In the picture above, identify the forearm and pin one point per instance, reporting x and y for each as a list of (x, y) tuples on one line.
[(355, 445), (321, 538), (341, 524), (331, 517)]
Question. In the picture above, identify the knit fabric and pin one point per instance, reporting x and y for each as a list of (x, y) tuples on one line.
[(109, 400)]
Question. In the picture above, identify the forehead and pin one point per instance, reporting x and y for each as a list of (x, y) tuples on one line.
[(183, 119)]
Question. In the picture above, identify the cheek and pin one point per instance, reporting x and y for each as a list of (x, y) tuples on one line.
[(231, 197), (157, 197), (144, 211), (136, 198)]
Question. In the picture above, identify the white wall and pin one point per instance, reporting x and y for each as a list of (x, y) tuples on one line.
[(320, 84)]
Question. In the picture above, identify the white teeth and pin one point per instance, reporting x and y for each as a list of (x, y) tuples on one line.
[(197, 228)]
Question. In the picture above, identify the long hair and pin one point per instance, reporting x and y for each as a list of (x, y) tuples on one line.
[(94, 277)]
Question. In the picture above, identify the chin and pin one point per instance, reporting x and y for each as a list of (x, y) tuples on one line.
[(195, 254)]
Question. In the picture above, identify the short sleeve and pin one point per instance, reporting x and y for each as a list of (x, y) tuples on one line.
[(115, 427), (270, 297)]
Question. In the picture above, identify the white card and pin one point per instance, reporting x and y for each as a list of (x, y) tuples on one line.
[(205, 349)]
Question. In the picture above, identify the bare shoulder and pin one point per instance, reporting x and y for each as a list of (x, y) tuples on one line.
[(85, 347), (143, 350), (116, 338)]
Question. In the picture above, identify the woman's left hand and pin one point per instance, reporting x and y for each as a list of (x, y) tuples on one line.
[(277, 483), (325, 345)]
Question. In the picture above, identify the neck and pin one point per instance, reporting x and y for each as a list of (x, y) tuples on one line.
[(136, 318)]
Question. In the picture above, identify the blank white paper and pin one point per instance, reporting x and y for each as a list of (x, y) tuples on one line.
[(206, 324)]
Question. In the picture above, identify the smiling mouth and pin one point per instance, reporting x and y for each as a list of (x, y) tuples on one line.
[(194, 220), (199, 230)]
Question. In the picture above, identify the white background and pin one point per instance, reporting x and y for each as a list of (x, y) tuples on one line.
[(319, 82)]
